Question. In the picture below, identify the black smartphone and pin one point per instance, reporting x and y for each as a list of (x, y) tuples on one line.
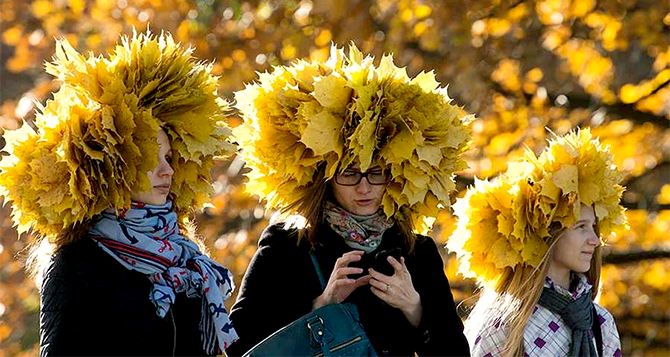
[(381, 264), (364, 263)]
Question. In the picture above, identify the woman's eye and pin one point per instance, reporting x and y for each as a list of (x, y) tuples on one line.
[(349, 174), (586, 227)]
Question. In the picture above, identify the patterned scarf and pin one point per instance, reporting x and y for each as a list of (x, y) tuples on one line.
[(576, 311), (146, 239), (359, 232)]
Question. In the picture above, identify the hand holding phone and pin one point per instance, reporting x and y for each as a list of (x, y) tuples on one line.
[(380, 262)]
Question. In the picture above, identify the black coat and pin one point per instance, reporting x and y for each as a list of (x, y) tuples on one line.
[(92, 305), (280, 285)]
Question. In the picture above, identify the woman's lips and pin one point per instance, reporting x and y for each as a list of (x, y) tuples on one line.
[(364, 202), (163, 188)]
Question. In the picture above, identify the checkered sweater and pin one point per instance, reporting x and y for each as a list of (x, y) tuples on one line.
[(546, 334)]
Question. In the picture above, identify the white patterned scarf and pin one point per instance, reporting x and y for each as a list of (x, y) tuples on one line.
[(146, 239)]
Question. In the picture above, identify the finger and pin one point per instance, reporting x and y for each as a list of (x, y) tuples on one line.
[(397, 266), (348, 257), (364, 280), (379, 276), (380, 294), (344, 271), (379, 285), (343, 283)]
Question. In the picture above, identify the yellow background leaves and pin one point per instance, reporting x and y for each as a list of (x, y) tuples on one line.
[(596, 58)]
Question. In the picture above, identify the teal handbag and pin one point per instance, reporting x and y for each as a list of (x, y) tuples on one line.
[(332, 330)]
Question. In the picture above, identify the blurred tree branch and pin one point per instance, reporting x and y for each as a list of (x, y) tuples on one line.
[(634, 256)]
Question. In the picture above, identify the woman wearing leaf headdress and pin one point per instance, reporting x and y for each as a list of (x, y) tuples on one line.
[(366, 156), (531, 238), (121, 158)]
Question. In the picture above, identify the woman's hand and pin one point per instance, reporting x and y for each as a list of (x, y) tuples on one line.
[(398, 291), (340, 286)]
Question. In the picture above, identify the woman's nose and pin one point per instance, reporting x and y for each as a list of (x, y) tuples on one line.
[(363, 186), (593, 239), (165, 168)]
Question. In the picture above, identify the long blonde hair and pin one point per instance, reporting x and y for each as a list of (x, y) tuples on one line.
[(512, 301)]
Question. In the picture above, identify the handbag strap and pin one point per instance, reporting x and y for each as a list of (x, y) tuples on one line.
[(319, 274)]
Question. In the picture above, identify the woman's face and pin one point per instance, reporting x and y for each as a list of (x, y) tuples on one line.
[(363, 198), (575, 247), (160, 177)]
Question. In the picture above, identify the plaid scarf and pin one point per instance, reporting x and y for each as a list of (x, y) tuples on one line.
[(359, 232), (146, 239)]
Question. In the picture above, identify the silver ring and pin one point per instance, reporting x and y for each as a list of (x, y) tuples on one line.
[(388, 286)]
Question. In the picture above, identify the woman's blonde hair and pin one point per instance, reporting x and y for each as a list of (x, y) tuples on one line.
[(512, 302)]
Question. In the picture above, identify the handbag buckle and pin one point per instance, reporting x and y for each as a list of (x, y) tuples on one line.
[(315, 326)]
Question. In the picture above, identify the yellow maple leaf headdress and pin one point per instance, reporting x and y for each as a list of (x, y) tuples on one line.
[(97, 137), (505, 223), (312, 114)]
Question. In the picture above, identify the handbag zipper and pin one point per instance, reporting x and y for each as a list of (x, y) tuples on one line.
[(341, 345)]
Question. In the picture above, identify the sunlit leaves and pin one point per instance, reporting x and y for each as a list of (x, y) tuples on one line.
[(593, 70), (558, 64), (649, 95), (606, 29), (634, 147), (507, 74), (664, 196), (554, 12), (500, 26), (12, 35), (647, 231)]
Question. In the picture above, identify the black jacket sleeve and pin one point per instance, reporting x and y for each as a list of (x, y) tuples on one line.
[(275, 289), (53, 338), (91, 305), (440, 332)]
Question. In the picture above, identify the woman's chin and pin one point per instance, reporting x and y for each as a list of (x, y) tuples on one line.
[(364, 211), (154, 201), (581, 268), (160, 202)]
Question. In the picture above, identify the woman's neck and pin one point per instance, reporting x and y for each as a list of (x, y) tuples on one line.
[(560, 276)]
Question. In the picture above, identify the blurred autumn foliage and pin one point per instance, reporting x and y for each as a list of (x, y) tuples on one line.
[(524, 67)]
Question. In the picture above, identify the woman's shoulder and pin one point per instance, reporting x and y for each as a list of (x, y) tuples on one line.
[(604, 316), (70, 272), (601, 310), (425, 245), (72, 256), (279, 235), (609, 332), (84, 263), (486, 339)]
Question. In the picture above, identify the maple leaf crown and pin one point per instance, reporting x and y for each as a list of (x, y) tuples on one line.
[(97, 137), (329, 115), (508, 222)]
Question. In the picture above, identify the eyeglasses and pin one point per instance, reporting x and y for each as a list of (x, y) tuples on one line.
[(353, 178)]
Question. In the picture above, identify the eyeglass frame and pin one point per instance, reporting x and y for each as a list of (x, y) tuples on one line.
[(362, 175)]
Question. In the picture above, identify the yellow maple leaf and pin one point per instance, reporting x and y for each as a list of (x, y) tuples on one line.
[(333, 93), (323, 134), (566, 178)]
